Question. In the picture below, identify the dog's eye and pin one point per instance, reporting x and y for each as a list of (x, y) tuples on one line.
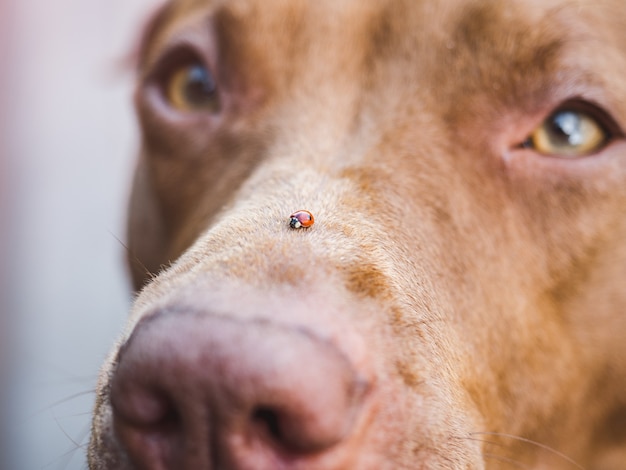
[(571, 132), (191, 88)]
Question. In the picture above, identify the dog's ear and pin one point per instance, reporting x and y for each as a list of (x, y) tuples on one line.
[(146, 229)]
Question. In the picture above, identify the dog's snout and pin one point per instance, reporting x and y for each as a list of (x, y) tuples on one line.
[(204, 392)]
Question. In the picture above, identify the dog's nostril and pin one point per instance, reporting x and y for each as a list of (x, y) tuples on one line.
[(144, 408), (169, 418), (268, 419)]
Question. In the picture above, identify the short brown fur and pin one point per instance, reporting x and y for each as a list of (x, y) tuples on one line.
[(484, 279)]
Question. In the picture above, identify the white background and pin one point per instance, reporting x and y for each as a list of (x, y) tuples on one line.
[(67, 145)]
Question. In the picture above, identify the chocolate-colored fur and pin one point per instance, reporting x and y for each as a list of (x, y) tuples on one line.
[(460, 301)]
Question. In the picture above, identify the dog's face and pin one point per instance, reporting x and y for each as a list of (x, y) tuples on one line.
[(460, 300)]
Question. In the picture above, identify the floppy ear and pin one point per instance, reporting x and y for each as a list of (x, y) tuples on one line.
[(146, 229)]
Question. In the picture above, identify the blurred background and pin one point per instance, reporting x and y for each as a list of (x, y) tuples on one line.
[(67, 144)]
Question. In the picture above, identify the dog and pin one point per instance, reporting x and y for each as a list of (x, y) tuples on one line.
[(375, 235)]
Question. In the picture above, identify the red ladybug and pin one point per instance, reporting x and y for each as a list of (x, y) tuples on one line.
[(301, 219)]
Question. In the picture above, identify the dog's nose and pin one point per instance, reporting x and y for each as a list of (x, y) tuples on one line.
[(196, 391)]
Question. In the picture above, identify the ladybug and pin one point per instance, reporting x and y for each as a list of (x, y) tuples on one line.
[(301, 219)]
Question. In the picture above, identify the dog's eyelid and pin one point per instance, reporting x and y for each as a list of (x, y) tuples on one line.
[(177, 55), (196, 39), (573, 129), (593, 110)]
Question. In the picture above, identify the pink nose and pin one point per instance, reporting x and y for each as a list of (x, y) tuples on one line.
[(198, 391)]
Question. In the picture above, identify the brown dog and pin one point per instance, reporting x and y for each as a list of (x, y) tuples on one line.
[(459, 301)]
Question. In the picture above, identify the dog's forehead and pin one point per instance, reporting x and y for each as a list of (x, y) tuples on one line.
[(408, 17), (355, 35)]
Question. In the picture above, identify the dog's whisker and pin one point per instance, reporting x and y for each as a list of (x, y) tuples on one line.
[(62, 381), (78, 415), (62, 401), (500, 458), (62, 462), (65, 433), (77, 444), (484, 441), (134, 257), (547, 448)]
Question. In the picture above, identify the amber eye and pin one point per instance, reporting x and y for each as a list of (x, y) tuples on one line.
[(191, 88), (569, 133)]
